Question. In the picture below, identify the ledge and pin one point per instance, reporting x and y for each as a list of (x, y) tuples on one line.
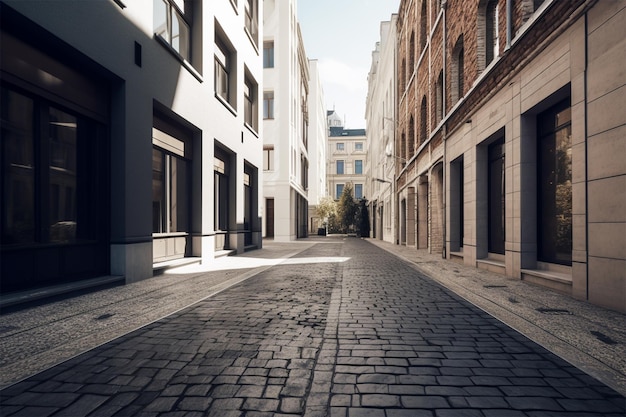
[(558, 281), (159, 267), (36, 294), (492, 265)]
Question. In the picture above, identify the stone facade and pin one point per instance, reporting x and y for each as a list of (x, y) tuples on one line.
[(524, 138)]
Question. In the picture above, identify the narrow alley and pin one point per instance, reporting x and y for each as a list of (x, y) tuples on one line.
[(341, 328)]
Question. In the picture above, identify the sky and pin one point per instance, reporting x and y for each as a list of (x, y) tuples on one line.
[(341, 35)]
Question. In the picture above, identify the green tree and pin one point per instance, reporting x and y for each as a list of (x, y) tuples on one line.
[(326, 208), (327, 211), (347, 209)]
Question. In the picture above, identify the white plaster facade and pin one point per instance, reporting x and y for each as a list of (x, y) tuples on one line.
[(158, 95), (380, 116), (317, 145), (286, 129)]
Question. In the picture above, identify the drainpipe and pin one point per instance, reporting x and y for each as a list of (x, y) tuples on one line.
[(444, 5), (585, 74)]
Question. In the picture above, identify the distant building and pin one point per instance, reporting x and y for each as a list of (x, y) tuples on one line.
[(510, 139), (381, 119), (129, 143), (318, 130), (347, 151), (286, 124)]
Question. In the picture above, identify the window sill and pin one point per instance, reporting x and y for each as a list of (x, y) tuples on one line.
[(252, 40), (166, 235), (234, 4), (251, 129), (180, 59), (226, 104)]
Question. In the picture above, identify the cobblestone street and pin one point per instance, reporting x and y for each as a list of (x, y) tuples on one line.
[(344, 329)]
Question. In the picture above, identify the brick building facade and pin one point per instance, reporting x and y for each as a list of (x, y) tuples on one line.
[(510, 142)]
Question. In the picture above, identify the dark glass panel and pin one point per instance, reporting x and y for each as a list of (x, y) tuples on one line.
[(63, 176), (18, 169), (555, 185), (496, 197), (158, 191)]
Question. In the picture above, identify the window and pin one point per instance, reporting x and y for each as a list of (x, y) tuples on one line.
[(412, 53), (171, 26), (358, 166), (496, 197), (268, 105), (304, 171), (340, 146), (339, 191), (250, 102), (268, 54), (492, 35), (358, 146), (423, 26), (402, 78), (358, 191), (223, 71), (268, 158), (458, 70), (554, 165), (170, 192), (50, 173), (252, 24), (411, 138), (221, 200), (439, 97), (423, 121), (340, 167), (250, 203), (489, 37)]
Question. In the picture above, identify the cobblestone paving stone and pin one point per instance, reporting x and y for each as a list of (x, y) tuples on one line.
[(347, 330)]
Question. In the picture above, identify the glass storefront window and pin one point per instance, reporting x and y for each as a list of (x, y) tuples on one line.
[(170, 193), (50, 173), (496, 207), (18, 168), (62, 194), (555, 185)]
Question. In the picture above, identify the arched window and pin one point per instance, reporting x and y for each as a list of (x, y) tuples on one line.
[(402, 76), (412, 54), (492, 32), (423, 26), (457, 70), (402, 148), (423, 120), (439, 97), (411, 137), (488, 39)]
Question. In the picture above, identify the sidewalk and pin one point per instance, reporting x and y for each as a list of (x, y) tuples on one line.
[(587, 336), (34, 339)]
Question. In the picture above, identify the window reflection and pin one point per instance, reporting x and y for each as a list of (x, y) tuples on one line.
[(18, 170), (50, 172), (170, 193), (62, 196), (555, 185)]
